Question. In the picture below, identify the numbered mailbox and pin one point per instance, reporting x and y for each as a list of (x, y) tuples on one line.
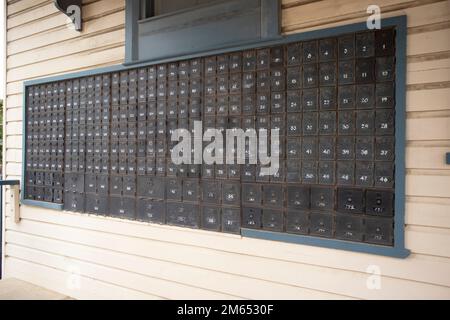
[(385, 42), (384, 148), (278, 80), (365, 96), (365, 44), (364, 148), (294, 78), (310, 76), (310, 99), (196, 68), (249, 60), (349, 228), (294, 124), (72, 201), (327, 172), (327, 99), (191, 190), (365, 122), (327, 73), (278, 102), (273, 220), (183, 214), (309, 149), (273, 195), (252, 218), (364, 174), (309, 172), (294, 148), (293, 101), (263, 81), (365, 71), (350, 200), (251, 194), (262, 59), (385, 95), (346, 97), (151, 187), (174, 189), (263, 103), (248, 173), (346, 122), (129, 186), (74, 182), (294, 54), (231, 220), (211, 192), (235, 62), (346, 72), (249, 82), (249, 104), (310, 123), (298, 197), (231, 194), (327, 49), (384, 122), (345, 172), (210, 66), (380, 203), (321, 224), (379, 231), (310, 51), (327, 147), (96, 204), (384, 174), (322, 198), (277, 56), (385, 69), (116, 185), (211, 218), (151, 210), (327, 123)]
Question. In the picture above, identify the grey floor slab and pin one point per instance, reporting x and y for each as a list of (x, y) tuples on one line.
[(13, 289)]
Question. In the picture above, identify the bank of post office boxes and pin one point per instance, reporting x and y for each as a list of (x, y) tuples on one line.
[(349, 228), (379, 231), (251, 218), (151, 210), (350, 200), (231, 220), (297, 222), (321, 224), (183, 214), (273, 220), (123, 207), (211, 218)]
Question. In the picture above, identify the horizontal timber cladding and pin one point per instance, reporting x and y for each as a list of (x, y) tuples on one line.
[(101, 143)]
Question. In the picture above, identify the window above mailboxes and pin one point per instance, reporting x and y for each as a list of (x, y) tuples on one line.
[(157, 29)]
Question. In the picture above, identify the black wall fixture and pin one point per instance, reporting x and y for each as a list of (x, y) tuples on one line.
[(73, 9)]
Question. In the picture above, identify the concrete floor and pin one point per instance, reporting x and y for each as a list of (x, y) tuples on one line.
[(13, 289)]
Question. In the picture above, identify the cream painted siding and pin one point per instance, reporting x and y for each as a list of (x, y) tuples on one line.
[(92, 257)]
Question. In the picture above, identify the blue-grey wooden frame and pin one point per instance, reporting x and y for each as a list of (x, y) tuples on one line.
[(400, 23)]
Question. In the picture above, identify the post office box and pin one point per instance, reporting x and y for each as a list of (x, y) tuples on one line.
[(294, 148), (116, 185), (346, 47), (273, 195), (235, 105), (251, 218), (74, 202), (48, 195), (262, 59), (294, 78), (273, 220), (210, 87), (364, 148), (346, 125), (310, 51), (310, 123), (294, 54), (191, 190), (365, 44), (384, 148), (278, 122), (90, 183), (384, 174), (365, 122), (123, 207), (151, 187), (309, 172), (235, 83), (263, 103), (151, 210), (183, 69), (129, 185), (349, 228), (278, 102), (234, 171), (73, 182), (277, 56), (309, 148), (196, 68), (310, 100), (310, 76), (231, 220), (263, 81), (379, 231), (161, 72), (350, 200), (346, 73), (160, 166), (321, 224), (327, 147), (174, 189), (384, 122), (231, 193), (222, 84), (251, 194), (209, 108), (182, 214), (248, 172), (58, 196), (211, 219), (327, 73), (385, 69), (97, 204), (294, 124), (385, 95), (298, 197), (327, 49), (364, 174), (48, 179), (248, 82), (365, 96), (345, 172), (210, 66), (365, 71), (208, 171), (211, 192), (322, 198), (293, 101), (380, 203), (327, 98), (385, 42), (235, 62), (327, 123), (297, 222)]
